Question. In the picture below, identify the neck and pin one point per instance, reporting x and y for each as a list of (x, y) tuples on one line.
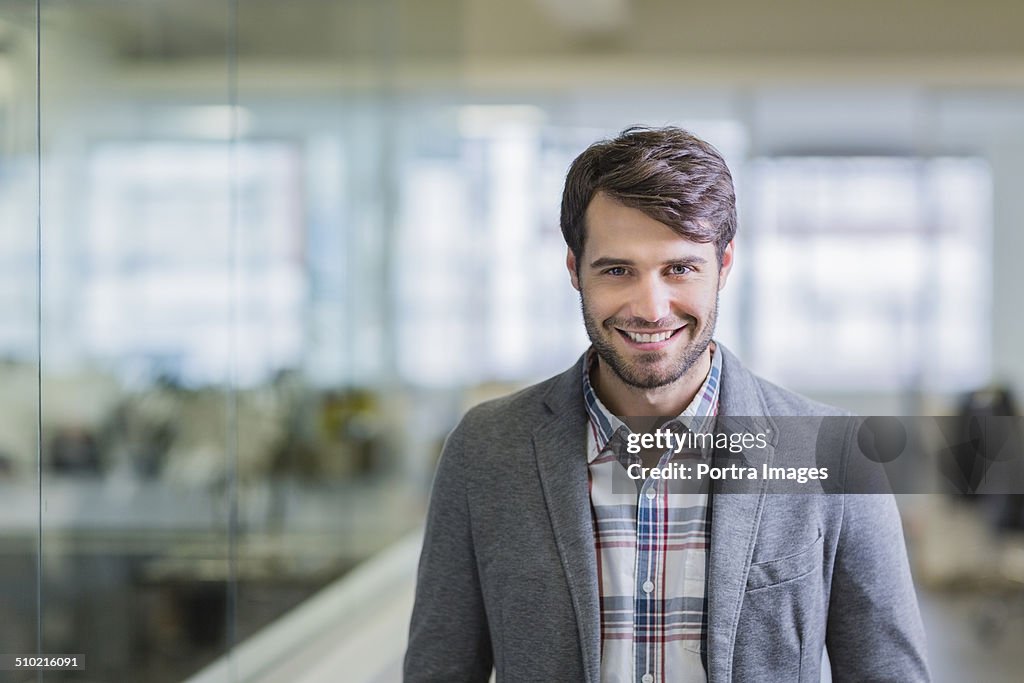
[(627, 401)]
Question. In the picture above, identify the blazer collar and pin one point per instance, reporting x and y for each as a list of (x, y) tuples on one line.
[(741, 398)]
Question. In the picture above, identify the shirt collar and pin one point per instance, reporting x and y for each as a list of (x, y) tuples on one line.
[(704, 405)]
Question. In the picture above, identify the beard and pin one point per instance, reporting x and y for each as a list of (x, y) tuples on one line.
[(645, 370)]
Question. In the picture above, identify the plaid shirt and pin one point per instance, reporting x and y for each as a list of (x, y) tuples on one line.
[(651, 544)]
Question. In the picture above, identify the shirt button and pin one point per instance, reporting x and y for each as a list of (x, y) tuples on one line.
[(651, 493), (647, 678), (648, 587)]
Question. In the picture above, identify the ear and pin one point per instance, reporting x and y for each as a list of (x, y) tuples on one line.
[(570, 263), (723, 270)]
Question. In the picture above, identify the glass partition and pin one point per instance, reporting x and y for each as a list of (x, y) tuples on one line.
[(138, 377), (20, 513)]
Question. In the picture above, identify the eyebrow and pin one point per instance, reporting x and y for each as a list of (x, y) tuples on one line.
[(606, 261)]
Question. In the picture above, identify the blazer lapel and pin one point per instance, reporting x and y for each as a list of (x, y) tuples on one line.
[(560, 447), (735, 515)]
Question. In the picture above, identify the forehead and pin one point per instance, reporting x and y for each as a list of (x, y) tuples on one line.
[(616, 230)]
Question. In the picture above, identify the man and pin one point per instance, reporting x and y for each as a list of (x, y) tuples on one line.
[(538, 563)]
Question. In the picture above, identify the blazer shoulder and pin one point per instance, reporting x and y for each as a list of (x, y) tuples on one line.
[(509, 414), (745, 393), (785, 403)]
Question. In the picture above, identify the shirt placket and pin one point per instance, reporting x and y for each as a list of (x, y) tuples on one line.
[(652, 533)]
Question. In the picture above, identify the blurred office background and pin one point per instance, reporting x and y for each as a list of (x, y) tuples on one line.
[(257, 257)]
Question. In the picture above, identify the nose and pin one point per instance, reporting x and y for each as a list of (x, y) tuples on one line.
[(651, 301)]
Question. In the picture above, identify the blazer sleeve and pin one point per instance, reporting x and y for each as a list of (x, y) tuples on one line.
[(874, 626), (448, 636)]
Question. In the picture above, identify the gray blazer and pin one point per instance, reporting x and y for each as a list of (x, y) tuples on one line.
[(508, 579)]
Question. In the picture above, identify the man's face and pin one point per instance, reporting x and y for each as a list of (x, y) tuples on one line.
[(649, 296)]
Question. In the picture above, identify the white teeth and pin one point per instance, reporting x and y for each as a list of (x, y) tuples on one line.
[(648, 338)]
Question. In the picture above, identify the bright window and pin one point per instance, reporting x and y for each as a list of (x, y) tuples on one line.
[(157, 290), (870, 273)]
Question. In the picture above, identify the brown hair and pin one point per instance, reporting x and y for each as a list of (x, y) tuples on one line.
[(668, 173)]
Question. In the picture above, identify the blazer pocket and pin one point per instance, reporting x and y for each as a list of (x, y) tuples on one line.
[(773, 572)]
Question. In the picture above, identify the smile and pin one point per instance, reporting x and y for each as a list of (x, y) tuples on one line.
[(645, 338)]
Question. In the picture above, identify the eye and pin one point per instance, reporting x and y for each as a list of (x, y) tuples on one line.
[(615, 271), (679, 269)]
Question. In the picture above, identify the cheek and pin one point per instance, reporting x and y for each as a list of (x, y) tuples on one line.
[(602, 316), (698, 302), (601, 303)]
